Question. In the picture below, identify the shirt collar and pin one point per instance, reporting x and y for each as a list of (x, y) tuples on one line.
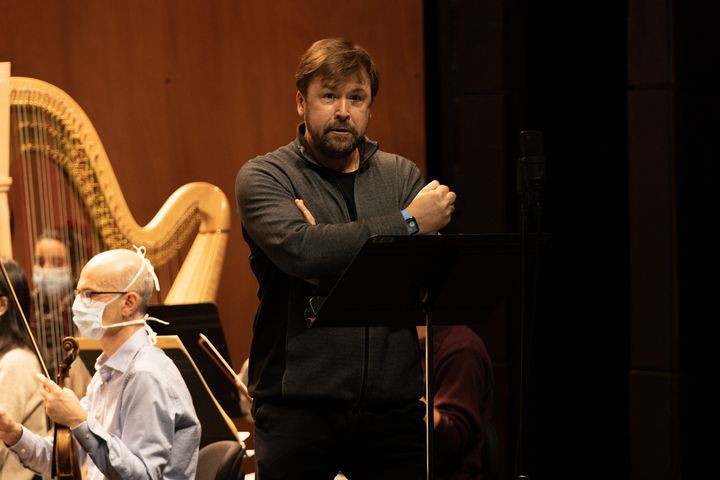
[(120, 360)]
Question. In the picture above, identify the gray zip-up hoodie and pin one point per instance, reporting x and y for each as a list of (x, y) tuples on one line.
[(367, 366)]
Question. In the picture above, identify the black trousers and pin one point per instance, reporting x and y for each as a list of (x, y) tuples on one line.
[(316, 442)]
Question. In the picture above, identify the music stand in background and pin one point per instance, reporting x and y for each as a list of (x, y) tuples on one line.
[(422, 280), (188, 321)]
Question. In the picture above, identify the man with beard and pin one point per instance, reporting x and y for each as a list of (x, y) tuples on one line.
[(332, 399)]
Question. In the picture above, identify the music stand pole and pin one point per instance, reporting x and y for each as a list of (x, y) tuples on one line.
[(520, 466), (429, 399), (530, 179)]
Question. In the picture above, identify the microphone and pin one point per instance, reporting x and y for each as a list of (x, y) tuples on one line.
[(530, 179), (533, 160)]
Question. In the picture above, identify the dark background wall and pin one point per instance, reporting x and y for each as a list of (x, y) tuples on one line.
[(525, 67), (621, 348), (672, 120)]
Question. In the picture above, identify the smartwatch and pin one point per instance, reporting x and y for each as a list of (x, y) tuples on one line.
[(412, 225)]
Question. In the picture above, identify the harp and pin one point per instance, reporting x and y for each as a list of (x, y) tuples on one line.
[(55, 174)]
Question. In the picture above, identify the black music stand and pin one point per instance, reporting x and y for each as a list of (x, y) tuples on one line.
[(188, 321), (422, 280)]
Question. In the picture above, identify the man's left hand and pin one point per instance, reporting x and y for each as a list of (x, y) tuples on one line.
[(61, 404)]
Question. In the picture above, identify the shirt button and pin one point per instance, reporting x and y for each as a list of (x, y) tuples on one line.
[(22, 450)]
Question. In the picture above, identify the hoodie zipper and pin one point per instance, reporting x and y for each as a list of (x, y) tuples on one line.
[(366, 329)]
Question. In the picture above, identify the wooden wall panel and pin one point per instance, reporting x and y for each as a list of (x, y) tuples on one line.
[(653, 422), (183, 91), (652, 209), (652, 212)]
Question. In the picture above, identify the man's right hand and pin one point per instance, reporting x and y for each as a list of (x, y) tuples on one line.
[(432, 207), (304, 210), (10, 430), (311, 220)]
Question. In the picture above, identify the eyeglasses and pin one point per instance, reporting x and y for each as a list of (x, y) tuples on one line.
[(87, 295)]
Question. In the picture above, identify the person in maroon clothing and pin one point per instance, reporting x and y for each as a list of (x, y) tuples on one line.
[(462, 398)]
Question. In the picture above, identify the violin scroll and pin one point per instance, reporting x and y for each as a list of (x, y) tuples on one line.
[(70, 345)]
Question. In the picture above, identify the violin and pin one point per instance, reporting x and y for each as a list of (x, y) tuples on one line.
[(65, 460), (65, 465)]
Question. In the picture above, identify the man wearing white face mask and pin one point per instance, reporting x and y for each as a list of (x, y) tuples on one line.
[(137, 419)]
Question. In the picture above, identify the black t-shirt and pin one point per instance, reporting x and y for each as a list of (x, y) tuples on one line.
[(346, 184)]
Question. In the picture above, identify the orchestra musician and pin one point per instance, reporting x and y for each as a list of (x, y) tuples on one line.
[(56, 263), (463, 395), (137, 418), (19, 392), (56, 266)]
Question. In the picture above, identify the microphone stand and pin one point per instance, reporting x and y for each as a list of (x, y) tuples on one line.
[(530, 179)]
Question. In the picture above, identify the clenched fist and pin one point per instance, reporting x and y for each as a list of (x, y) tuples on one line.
[(432, 207)]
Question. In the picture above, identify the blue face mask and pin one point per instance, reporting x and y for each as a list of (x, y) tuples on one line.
[(52, 281)]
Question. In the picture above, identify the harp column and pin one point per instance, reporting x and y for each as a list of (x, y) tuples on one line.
[(5, 180)]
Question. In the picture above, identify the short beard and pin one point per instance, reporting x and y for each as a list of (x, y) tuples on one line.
[(335, 147)]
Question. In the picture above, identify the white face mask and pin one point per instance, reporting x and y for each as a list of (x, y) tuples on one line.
[(88, 315), (88, 318), (53, 280)]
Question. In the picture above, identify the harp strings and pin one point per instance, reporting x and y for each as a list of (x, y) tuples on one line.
[(54, 217), (51, 153)]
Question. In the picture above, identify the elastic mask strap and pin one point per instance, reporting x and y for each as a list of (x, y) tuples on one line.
[(152, 336), (144, 265)]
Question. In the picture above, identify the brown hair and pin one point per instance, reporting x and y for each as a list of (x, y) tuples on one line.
[(335, 59)]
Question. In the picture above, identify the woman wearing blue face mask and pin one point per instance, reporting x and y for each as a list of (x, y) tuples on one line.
[(19, 392), (52, 274), (56, 262), (57, 256)]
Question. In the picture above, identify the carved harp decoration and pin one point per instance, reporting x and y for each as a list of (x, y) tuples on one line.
[(40, 121)]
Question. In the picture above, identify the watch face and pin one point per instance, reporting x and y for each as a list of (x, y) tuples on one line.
[(412, 226)]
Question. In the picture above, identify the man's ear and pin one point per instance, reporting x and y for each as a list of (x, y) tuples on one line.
[(4, 301), (300, 103), (132, 302)]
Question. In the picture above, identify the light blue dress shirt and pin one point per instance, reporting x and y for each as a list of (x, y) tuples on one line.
[(141, 421)]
